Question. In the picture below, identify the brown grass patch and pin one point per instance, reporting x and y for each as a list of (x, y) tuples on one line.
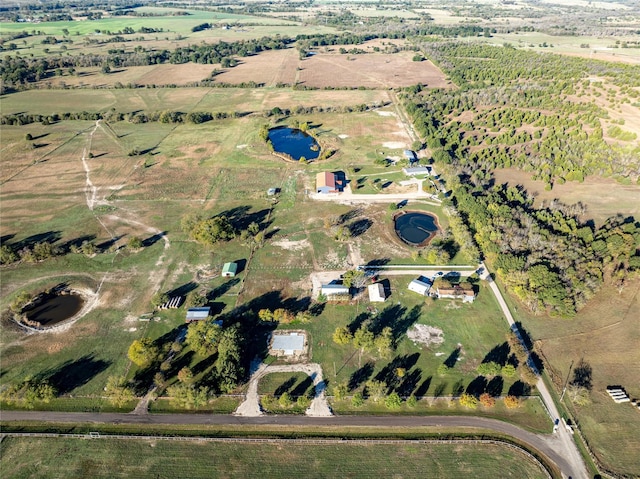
[(268, 68), (604, 197), (330, 69)]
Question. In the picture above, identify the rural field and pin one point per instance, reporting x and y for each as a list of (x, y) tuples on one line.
[(147, 458), (604, 336)]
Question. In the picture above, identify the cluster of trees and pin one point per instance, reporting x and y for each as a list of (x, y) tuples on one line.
[(208, 231), (367, 339), (282, 315), (28, 393)]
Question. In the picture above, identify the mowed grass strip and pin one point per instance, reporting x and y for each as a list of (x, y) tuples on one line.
[(69, 458)]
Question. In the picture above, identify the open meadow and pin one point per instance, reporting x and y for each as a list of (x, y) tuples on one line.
[(602, 339), (71, 458)]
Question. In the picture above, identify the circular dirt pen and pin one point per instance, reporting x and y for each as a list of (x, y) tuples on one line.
[(56, 310), (415, 228)]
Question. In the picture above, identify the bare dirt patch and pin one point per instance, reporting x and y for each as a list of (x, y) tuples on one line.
[(425, 335), (292, 245)]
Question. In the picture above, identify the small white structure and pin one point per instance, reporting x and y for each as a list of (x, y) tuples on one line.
[(420, 287), (376, 293), (197, 314), (334, 290), (618, 394)]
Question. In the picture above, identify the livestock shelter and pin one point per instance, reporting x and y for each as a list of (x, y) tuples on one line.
[(197, 314), (229, 270)]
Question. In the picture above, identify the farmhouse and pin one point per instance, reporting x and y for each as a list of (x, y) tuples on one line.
[(457, 291), (229, 270), (417, 170), (334, 290), (420, 287), (326, 182), (197, 314), (376, 293)]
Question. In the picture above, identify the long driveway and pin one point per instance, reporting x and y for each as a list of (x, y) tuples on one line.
[(567, 446), (549, 445)]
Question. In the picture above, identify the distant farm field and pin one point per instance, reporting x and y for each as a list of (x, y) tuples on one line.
[(70, 458), (47, 102), (370, 70), (604, 197)]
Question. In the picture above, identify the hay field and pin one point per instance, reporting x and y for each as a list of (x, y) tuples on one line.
[(199, 459), (604, 197), (605, 334), (374, 70)]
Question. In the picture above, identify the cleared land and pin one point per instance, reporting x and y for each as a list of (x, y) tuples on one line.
[(332, 69), (604, 197), (109, 458)]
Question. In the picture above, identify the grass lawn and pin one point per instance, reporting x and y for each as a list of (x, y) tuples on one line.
[(35, 457)]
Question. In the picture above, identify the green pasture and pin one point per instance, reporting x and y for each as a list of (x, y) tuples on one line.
[(62, 457)]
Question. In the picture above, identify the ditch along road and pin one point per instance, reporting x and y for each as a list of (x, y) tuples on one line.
[(548, 445)]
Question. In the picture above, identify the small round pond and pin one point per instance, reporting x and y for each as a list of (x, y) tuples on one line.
[(54, 308), (295, 143), (415, 228)]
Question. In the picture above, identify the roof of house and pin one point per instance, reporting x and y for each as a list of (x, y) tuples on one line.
[(410, 154), (325, 178), (417, 282), (334, 286), (230, 268), (198, 313), (456, 291)]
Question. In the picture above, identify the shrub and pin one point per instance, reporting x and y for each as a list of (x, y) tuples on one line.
[(469, 401), (486, 400), (393, 401), (511, 402)]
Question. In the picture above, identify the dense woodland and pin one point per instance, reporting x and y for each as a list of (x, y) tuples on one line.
[(517, 112)]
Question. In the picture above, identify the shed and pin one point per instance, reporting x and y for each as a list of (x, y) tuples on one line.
[(287, 344), (411, 156), (229, 270), (197, 314), (420, 287), (326, 183), (334, 289), (272, 191), (376, 293)]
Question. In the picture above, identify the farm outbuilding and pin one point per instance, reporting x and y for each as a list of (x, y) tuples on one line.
[(334, 289), (417, 170), (229, 270), (287, 344), (420, 287), (197, 314), (411, 156), (326, 183), (376, 293)]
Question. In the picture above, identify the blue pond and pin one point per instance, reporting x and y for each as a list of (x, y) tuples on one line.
[(415, 228), (294, 143)]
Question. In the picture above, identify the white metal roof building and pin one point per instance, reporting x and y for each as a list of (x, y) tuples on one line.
[(419, 287), (288, 344), (198, 314), (331, 289), (376, 293)]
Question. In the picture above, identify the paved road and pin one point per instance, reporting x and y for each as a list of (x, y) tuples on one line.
[(567, 447), (547, 444)]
